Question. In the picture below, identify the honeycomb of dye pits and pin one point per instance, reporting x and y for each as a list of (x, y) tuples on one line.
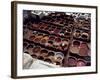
[(54, 32)]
